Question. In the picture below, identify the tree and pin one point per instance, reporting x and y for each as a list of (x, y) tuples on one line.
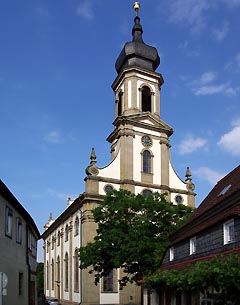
[(220, 274), (40, 278), (133, 233)]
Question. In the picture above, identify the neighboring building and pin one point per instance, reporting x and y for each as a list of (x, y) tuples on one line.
[(140, 163), (213, 229), (18, 249)]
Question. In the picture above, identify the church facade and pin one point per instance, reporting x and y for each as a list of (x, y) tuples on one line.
[(140, 163)]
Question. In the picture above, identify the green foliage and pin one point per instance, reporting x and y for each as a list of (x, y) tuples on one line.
[(40, 278), (133, 233), (220, 274)]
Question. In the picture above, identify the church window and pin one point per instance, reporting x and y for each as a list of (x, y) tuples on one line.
[(76, 226), (53, 243), (58, 269), (47, 276), (66, 271), (146, 99), (146, 158), (178, 199), (66, 232), (147, 192), (119, 105), (52, 274), (76, 271), (108, 282), (108, 188), (58, 238)]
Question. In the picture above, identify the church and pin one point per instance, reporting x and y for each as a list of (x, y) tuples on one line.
[(140, 163)]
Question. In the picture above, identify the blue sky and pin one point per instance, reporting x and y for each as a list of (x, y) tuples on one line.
[(56, 69)]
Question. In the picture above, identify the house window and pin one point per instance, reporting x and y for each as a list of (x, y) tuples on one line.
[(108, 282), (18, 230), (76, 226), (8, 222), (66, 272), (76, 271), (192, 245), (119, 105), (66, 233), (146, 99), (146, 161), (20, 283), (172, 254), (228, 232)]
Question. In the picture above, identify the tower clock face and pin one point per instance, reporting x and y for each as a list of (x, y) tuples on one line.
[(146, 141)]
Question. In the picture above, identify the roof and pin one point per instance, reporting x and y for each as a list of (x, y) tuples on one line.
[(137, 53), (222, 202), (6, 193)]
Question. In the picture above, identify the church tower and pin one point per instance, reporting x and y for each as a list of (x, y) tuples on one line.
[(140, 162), (140, 139)]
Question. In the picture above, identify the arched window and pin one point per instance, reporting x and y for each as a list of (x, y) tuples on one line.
[(58, 238), (52, 274), (147, 192), (120, 94), (76, 226), (58, 269), (76, 271), (66, 271), (146, 99), (66, 233), (47, 276), (146, 158), (53, 243)]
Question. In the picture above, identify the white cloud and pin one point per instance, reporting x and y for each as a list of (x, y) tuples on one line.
[(208, 174), (230, 141), (189, 12), (187, 50), (224, 88), (53, 137), (191, 144), (85, 10), (234, 65), (221, 33), (207, 77)]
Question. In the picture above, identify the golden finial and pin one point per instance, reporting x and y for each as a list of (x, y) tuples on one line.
[(136, 7)]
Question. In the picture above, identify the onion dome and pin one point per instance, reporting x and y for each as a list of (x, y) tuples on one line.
[(136, 53)]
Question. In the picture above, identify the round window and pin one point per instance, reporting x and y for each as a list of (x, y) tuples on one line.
[(178, 199), (108, 188)]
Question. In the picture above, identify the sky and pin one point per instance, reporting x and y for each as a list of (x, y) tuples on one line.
[(56, 69)]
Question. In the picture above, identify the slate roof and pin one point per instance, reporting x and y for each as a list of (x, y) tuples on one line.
[(222, 202), (136, 53)]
